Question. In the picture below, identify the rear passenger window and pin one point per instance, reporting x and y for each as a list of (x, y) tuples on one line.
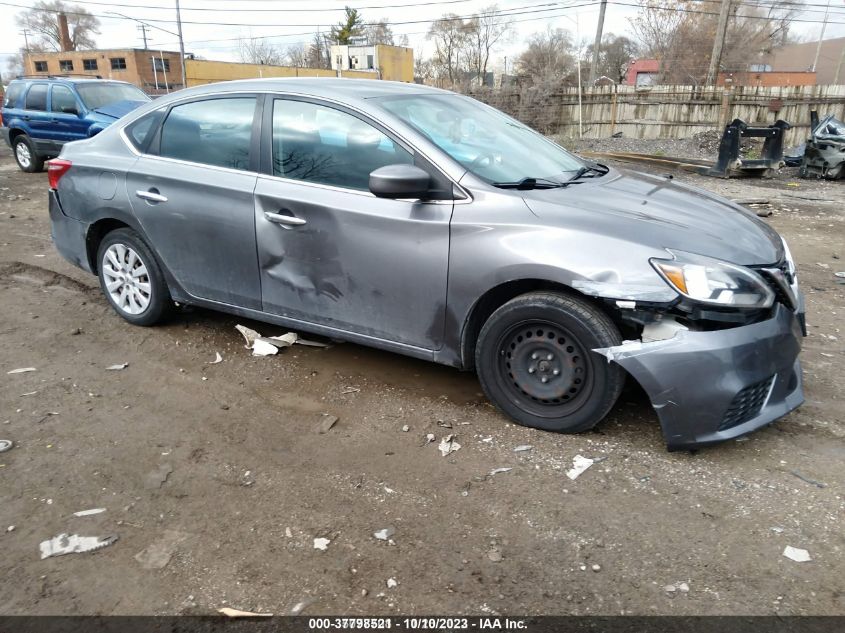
[(319, 144), (13, 93), (141, 131), (213, 132), (36, 98)]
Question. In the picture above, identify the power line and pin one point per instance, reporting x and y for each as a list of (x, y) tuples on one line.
[(252, 9)]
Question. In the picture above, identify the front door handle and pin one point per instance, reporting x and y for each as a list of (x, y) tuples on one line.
[(280, 218), (152, 196)]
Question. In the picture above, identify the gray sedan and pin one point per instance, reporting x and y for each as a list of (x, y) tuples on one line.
[(426, 223)]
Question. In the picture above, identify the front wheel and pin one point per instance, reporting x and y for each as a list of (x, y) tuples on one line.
[(25, 155), (535, 362)]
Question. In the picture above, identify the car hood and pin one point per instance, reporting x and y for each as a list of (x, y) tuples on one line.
[(659, 212), (118, 108)]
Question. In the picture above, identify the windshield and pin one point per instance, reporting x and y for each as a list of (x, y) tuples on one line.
[(487, 142), (97, 95)]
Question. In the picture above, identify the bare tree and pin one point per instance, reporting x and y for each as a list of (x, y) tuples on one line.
[(296, 55), (615, 53), (683, 39), (259, 51), (43, 21), (451, 39), (484, 33), (319, 55), (550, 56)]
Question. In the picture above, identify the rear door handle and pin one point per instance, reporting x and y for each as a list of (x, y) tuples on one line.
[(280, 218), (152, 196)]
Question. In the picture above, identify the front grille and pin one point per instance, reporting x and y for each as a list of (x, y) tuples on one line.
[(746, 404)]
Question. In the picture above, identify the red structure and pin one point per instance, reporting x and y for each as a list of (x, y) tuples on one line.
[(642, 72)]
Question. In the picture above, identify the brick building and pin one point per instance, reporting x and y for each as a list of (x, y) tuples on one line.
[(153, 71)]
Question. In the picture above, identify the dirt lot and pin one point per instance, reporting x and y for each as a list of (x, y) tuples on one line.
[(252, 483)]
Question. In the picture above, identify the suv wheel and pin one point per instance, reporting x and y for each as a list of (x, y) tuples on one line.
[(131, 278), (535, 362), (25, 155)]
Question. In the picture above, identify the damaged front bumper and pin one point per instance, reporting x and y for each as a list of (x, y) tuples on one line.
[(708, 387)]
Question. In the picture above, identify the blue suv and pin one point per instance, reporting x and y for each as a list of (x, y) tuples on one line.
[(41, 114)]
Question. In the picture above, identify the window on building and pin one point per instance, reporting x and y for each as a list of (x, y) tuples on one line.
[(63, 100), (65, 65), (760, 68), (211, 132), (118, 63), (319, 144), (36, 98), (41, 67), (370, 61), (89, 64), (161, 65)]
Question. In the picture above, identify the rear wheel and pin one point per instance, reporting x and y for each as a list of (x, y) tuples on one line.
[(25, 155), (535, 362), (131, 278)]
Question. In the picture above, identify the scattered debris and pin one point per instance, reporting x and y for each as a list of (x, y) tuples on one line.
[(299, 607), (28, 393), (237, 613), (670, 589), (117, 367), (5, 445), (444, 424), (429, 438), (350, 390), (405, 428), (11, 528), (217, 359), (813, 482), (797, 554), (392, 583), (269, 345), (764, 213), (158, 554), (22, 370), (327, 423), (157, 477), (683, 587), (596, 568), (776, 529), (322, 544), (448, 445), (579, 465), (839, 274), (522, 448), (88, 513), (496, 471), (74, 544), (495, 556), (385, 534)]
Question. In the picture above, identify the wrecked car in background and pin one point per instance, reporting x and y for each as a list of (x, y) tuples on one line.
[(824, 152), (420, 221)]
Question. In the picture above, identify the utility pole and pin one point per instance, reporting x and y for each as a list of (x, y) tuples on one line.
[(718, 43), (181, 45), (821, 37), (594, 65), (143, 29), (25, 34)]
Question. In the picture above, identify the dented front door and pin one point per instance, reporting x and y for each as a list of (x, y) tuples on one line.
[(348, 260)]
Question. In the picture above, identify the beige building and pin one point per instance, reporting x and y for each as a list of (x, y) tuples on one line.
[(800, 57), (392, 63), (153, 71)]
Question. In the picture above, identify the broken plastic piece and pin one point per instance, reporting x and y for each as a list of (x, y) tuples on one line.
[(797, 554), (5, 445), (322, 544), (237, 613), (448, 445), (117, 367), (579, 465), (385, 534), (217, 359), (74, 544), (626, 292), (22, 370), (662, 330), (88, 513), (496, 471)]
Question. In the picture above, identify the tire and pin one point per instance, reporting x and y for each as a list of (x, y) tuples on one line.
[(141, 299), (534, 361), (25, 155)]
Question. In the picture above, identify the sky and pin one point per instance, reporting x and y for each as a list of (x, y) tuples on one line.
[(287, 22)]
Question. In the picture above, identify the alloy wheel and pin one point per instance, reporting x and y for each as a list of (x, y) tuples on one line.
[(126, 278), (23, 155)]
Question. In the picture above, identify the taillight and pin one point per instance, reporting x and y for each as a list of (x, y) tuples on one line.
[(57, 168)]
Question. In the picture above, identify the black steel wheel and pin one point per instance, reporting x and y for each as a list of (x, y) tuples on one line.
[(535, 361)]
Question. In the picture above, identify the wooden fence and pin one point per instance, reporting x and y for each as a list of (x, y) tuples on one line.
[(664, 111)]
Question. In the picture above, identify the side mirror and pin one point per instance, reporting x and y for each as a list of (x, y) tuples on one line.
[(70, 110), (400, 181)]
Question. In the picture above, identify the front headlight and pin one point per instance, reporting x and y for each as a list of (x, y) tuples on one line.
[(713, 281)]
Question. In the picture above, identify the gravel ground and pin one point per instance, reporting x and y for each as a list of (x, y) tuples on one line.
[(217, 482)]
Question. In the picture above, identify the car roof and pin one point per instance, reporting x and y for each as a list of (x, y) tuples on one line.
[(330, 87)]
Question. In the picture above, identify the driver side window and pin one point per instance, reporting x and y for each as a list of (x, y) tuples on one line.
[(316, 143), (63, 100)]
